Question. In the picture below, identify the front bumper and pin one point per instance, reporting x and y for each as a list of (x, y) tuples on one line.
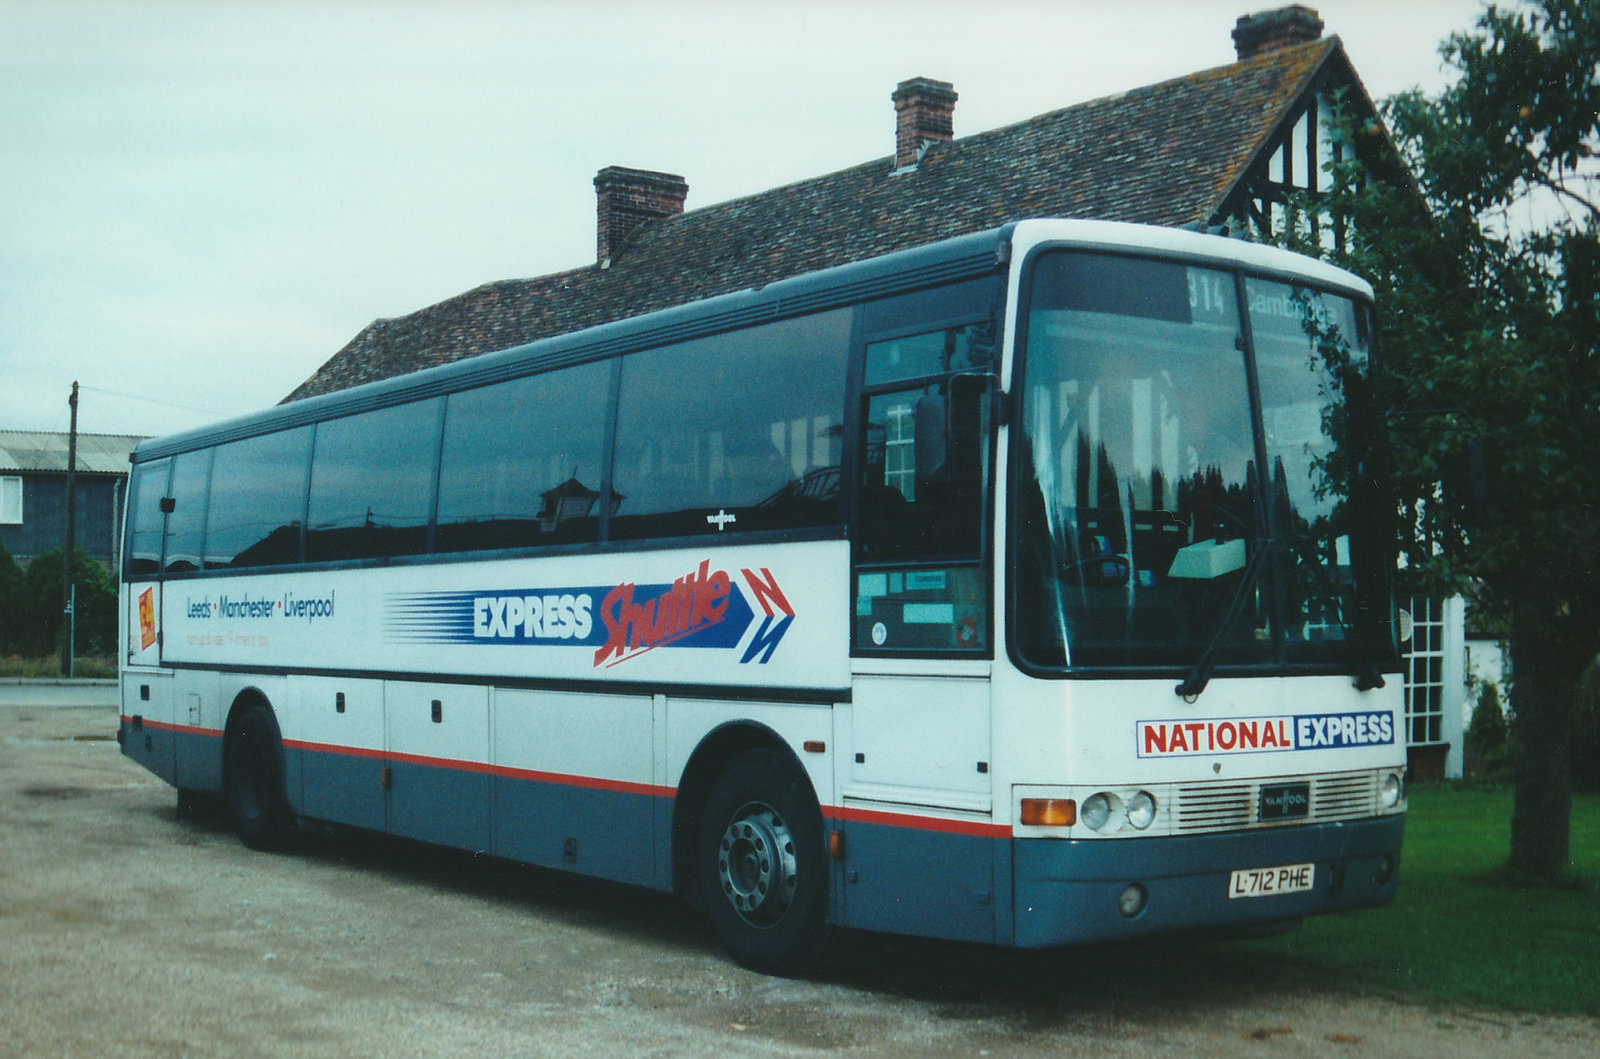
[(1067, 891)]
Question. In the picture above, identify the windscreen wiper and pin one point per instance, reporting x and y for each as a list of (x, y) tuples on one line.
[(1368, 676), (1200, 675)]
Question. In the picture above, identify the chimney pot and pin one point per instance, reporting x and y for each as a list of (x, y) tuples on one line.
[(923, 111), (627, 198), (1268, 31)]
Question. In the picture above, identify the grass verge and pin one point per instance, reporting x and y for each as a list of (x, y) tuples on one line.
[(50, 668), (1459, 932)]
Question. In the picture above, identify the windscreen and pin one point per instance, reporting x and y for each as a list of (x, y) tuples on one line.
[(1186, 488)]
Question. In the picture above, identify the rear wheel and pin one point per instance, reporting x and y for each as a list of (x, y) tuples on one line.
[(763, 868), (253, 780)]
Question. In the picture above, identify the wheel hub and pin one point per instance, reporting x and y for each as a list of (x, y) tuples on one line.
[(756, 866)]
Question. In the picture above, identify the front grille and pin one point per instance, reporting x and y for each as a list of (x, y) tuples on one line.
[(1201, 808)]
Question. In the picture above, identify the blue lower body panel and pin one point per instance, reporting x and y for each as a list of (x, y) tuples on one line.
[(1067, 891), (907, 880), (150, 745)]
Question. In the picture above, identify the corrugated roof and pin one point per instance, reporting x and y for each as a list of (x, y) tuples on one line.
[(38, 450), (1174, 153)]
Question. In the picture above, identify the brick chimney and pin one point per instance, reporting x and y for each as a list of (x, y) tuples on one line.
[(629, 198), (922, 115), (1267, 31)]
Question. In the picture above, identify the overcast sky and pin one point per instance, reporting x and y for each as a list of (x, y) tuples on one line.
[(201, 202)]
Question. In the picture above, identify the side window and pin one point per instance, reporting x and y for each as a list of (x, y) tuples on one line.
[(520, 465), (186, 525), (922, 490), (146, 487), (372, 478), (736, 432), (965, 347), (258, 500)]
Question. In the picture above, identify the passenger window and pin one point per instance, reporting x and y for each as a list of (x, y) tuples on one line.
[(258, 500), (521, 461), (186, 525), (736, 432), (145, 519), (372, 483)]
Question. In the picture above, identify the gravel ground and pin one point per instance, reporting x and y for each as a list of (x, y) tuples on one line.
[(126, 929)]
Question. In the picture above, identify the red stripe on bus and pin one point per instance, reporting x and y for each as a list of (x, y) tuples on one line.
[(332, 748), (919, 823), (848, 815), (164, 726), (592, 782)]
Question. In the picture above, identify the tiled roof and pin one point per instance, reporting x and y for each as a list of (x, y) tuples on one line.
[(38, 450), (1173, 153)]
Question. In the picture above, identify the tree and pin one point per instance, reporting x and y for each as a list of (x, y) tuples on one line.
[(39, 606), (1487, 264)]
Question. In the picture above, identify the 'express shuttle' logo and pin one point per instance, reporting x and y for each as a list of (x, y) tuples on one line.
[(704, 608)]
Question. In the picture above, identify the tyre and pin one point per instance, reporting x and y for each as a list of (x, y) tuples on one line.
[(763, 867), (253, 782)]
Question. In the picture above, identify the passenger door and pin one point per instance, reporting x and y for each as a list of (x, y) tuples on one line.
[(917, 803)]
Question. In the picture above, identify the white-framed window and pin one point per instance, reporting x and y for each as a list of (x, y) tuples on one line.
[(1425, 673), (10, 501)]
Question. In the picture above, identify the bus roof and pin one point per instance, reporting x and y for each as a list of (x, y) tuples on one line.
[(942, 262)]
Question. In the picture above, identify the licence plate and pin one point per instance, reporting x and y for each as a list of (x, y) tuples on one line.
[(1268, 882)]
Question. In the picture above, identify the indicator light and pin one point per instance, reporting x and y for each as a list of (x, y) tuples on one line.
[(1049, 812)]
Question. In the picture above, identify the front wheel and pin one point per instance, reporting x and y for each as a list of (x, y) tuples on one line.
[(253, 781), (763, 868)]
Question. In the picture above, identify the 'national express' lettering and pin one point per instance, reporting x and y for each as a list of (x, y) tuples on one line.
[(1256, 734)]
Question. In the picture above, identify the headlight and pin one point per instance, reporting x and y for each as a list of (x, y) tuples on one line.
[(1391, 791), (1101, 812), (1095, 811), (1141, 810)]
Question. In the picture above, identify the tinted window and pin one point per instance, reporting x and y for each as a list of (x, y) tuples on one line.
[(926, 310), (905, 513), (145, 490), (186, 526), (734, 432), (924, 457), (372, 483), (919, 528), (521, 461), (966, 347), (258, 498)]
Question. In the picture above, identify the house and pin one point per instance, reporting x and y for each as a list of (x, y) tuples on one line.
[(1240, 146), (33, 493), (1225, 146)]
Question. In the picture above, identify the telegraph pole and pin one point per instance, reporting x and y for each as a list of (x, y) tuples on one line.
[(67, 600)]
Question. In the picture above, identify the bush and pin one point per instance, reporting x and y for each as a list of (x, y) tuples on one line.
[(1489, 739), (34, 615)]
